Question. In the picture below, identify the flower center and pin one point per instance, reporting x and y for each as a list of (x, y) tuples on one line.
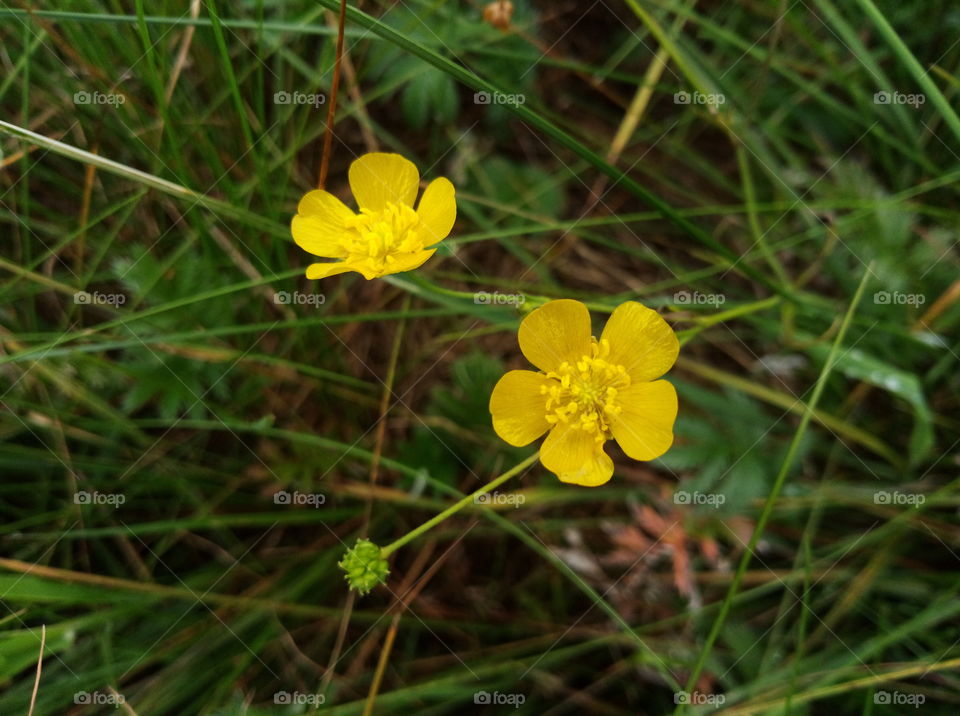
[(380, 235), (584, 393)]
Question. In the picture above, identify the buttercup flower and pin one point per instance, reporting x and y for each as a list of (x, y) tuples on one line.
[(589, 391), (387, 235)]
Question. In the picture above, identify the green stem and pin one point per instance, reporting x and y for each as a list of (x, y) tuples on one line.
[(920, 75), (418, 280), (750, 198), (413, 279), (777, 486), (712, 319), (457, 506)]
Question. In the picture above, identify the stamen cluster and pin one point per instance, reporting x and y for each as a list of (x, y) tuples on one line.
[(379, 235), (584, 393)]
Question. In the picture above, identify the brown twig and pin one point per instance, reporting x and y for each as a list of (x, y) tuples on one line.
[(183, 52), (353, 89), (36, 683), (332, 106), (88, 177)]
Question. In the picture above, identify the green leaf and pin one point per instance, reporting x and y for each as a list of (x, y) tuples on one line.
[(429, 96), (857, 365)]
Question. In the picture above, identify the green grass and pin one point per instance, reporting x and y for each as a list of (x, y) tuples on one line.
[(815, 224)]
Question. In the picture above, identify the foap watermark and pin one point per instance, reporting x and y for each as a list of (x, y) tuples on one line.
[(698, 698), (113, 99), (95, 298), (914, 100), (911, 499), (499, 98), (695, 298), (96, 698), (712, 499), (711, 99), (314, 100), (499, 498), (297, 698), (499, 299), (295, 298), (898, 298), (485, 698), (313, 499), (898, 698), (98, 498)]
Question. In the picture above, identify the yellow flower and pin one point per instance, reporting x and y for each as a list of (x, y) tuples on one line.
[(387, 235), (589, 391)]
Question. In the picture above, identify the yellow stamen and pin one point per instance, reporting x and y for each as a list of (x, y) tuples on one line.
[(584, 394), (378, 236)]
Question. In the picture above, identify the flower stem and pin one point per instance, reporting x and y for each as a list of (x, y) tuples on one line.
[(438, 290), (531, 300), (457, 506), (332, 106)]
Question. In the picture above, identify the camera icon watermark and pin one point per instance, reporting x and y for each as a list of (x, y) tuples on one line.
[(697, 698), (485, 698), (898, 298), (913, 100), (298, 698), (315, 100), (490, 499), (695, 298), (98, 498), (901, 499), (295, 298), (86, 298), (112, 99), (499, 98), (714, 99), (898, 698), (711, 499), (86, 698), (312, 499), (485, 298)]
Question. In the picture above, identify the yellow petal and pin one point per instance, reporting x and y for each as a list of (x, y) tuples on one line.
[(567, 449), (377, 178), (596, 471), (437, 210), (322, 203), (407, 262), (641, 341), (645, 427), (315, 271), (518, 408), (320, 224), (558, 331), (370, 268)]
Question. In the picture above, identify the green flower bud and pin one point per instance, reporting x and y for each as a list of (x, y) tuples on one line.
[(364, 566)]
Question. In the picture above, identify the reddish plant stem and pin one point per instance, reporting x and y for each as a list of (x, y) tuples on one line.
[(332, 106)]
